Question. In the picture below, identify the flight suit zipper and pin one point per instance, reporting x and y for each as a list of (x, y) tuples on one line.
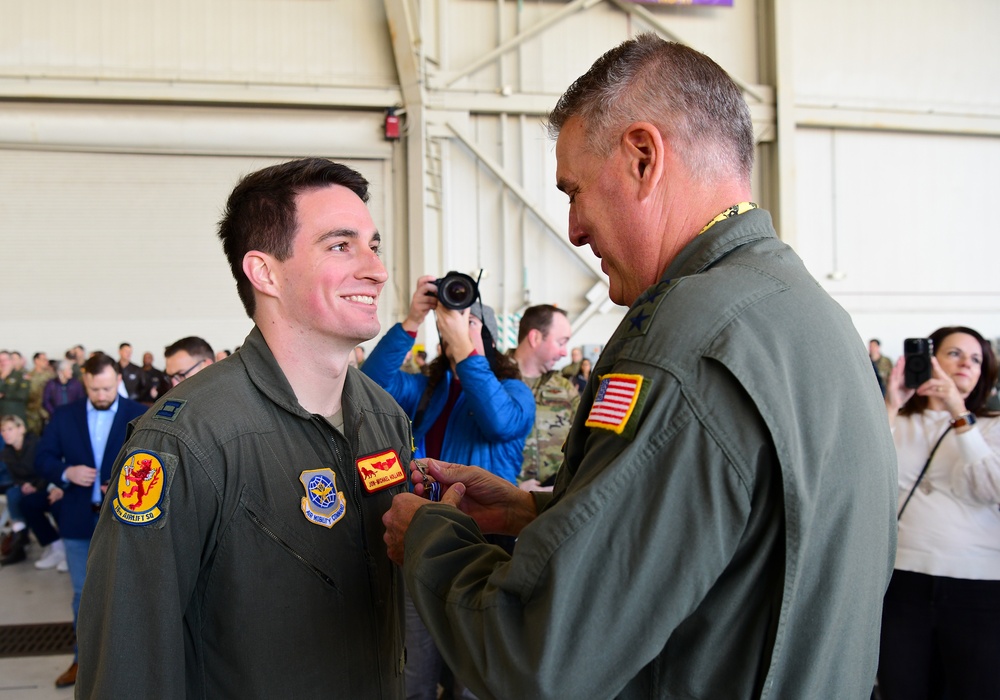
[(284, 545)]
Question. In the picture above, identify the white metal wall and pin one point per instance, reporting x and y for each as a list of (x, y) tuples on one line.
[(898, 161), (857, 106)]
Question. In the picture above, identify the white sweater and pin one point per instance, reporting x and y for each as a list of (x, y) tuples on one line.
[(954, 530)]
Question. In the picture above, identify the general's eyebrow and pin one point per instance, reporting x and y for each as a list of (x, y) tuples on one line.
[(564, 185)]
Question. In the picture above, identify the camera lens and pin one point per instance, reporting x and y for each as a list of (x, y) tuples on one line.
[(457, 291)]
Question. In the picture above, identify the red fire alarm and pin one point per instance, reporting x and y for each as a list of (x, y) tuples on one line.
[(391, 124)]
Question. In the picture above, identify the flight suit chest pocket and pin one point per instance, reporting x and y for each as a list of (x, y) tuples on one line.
[(288, 533)]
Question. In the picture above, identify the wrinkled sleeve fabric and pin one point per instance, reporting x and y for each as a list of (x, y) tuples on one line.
[(601, 578), (143, 578), (503, 410), (976, 478), (384, 365)]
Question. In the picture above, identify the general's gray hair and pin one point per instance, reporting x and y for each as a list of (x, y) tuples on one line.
[(684, 93)]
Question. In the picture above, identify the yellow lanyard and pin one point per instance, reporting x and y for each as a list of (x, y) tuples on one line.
[(729, 213)]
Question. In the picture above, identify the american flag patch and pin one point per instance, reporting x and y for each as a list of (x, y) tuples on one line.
[(616, 398)]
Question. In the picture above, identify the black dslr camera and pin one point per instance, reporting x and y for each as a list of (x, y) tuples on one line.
[(457, 291), (917, 352)]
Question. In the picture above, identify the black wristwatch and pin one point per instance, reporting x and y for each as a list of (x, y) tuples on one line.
[(964, 420)]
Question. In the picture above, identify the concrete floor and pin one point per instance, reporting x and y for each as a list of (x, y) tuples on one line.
[(28, 595)]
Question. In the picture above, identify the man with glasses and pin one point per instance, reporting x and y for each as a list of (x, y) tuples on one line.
[(242, 553), (186, 357)]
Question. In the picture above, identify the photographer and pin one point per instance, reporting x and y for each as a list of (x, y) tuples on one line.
[(470, 406), (941, 618)]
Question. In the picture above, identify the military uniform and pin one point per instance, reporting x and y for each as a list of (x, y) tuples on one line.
[(720, 528), (255, 565), (15, 390), (556, 401)]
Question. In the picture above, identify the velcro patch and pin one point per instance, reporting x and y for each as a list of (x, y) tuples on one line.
[(380, 471), (617, 400), (169, 409), (140, 489), (323, 504)]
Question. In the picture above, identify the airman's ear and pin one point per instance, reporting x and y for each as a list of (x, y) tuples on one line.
[(535, 337), (259, 269), (646, 149)]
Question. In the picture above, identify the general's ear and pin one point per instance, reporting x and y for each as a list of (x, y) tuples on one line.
[(259, 269), (646, 150)]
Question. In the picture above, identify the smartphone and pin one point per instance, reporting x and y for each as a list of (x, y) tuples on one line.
[(917, 352)]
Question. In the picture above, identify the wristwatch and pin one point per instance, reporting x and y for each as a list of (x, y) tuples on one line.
[(964, 420)]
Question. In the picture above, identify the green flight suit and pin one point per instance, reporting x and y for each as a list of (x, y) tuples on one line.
[(731, 538)]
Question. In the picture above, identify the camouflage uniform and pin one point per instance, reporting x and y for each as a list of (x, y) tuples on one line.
[(556, 400), (36, 415)]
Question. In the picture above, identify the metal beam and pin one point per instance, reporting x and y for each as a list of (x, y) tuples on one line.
[(517, 40), (589, 261)]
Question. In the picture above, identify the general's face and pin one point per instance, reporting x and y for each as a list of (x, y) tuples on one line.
[(102, 388), (331, 283), (553, 345), (961, 357), (604, 215)]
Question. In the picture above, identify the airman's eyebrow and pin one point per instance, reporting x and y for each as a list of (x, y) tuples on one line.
[(346, 233)]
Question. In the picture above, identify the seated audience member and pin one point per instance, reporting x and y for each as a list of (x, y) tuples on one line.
[(28, 499), (941, 617), (63, 389), (186, 357)]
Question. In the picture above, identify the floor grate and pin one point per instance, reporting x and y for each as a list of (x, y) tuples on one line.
[(36, 640)]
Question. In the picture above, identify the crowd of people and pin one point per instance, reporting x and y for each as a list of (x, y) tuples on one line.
[(684, 515)]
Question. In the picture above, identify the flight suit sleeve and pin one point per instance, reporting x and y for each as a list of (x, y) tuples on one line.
[(136, 613), (619, 557)]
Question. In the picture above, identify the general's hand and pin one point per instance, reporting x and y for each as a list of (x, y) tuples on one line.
[(397, 519), (423, 302), (81, 475), (497, 506)]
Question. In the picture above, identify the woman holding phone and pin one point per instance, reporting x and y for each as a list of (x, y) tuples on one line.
[(941, 618)]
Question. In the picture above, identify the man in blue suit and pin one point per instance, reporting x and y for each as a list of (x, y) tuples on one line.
[(81, 437)]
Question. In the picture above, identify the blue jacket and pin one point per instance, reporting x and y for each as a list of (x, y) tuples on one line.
[(65, 443), (489, 422)]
